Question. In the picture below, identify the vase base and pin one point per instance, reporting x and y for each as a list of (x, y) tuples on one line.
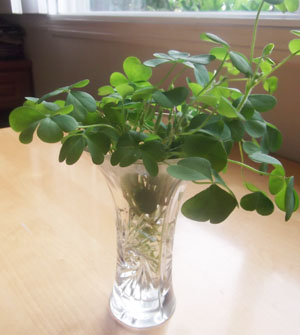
[(138, 315)]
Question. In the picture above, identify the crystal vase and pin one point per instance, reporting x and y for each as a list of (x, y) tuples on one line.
[(146, 212)]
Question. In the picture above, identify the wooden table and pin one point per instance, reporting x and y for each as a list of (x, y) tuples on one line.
[(58, 248)]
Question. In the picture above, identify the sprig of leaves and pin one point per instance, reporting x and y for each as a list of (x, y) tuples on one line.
[(197, 123)]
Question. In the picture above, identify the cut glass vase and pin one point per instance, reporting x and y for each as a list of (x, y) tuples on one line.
[(146, 213)]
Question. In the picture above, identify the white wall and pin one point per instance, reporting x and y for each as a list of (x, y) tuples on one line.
[(67, 49)]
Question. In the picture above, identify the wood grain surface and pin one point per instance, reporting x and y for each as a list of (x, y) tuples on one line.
[(58, 248)]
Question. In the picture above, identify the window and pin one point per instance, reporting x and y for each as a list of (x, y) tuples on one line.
[(67, 7)]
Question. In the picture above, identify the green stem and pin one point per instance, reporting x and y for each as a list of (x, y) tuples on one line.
[(166, 76), (214, 76), (277, 66), (249, 86), (202, 182), (237, 79), (248, 167), (158, 120), (103, 125), (177, 76), (255, 31), (200, 127), (242, 159)]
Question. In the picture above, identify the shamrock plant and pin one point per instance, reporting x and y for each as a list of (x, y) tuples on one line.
[(198, 123)]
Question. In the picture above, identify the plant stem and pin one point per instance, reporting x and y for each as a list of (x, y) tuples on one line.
[(237, 79), (166, 76), (202, 182), (214, 76), (177, 76), (255, 31), (200, 127), (242, 159), (286, 59), (104, 125), (248, 167)]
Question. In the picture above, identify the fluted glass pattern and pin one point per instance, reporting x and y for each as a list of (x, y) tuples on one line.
[(146, 212)]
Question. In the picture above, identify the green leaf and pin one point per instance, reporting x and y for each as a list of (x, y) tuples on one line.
[(276, 180), (200, 59), (82, 102), (117, 79), (135, 70), (225, 108), (65, 122), (251, 187), (98, 146), (114, 115), (72, 149), (172, 98), (220, 53), (292, 5), (213, 38), (208, 100), (150, 164), (294, 46), (48, 131), (265, 67), (163, 56), (281, 7), (240, 62), (255, 128), (272, 139), (127, 151), (191, 168), (260, 157), (289, 198), (250, 147), (231, 69), (268, 49), (178, 54), (64, 110), (201, 74), (274, 2), (80, 84), (213, 204), (27, 134), (31, 101), (155, 62), (53, 93), (219, 180), (143, 93), (208, 147), (105, 90), (247, 111), (296, 32), (155, 149), (124, 90), (262, 102), (281, 198), (195, 88), (151, 137), (22, 117), (271, 84), (237, 129), (257, 201)]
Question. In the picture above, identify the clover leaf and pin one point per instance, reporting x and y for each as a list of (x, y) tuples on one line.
[(257, 201), (213, 204)]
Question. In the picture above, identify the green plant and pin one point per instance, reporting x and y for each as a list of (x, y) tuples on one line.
[(204, 119)]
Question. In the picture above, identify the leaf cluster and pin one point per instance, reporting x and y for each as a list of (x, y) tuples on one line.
[(197, 123)]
